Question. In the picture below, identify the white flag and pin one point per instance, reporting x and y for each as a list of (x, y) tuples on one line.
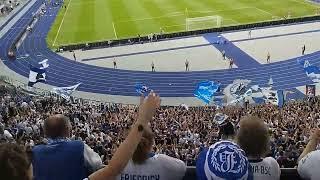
[(65, 92)]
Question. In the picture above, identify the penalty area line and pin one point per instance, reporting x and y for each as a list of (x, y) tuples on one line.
[(55, 39)]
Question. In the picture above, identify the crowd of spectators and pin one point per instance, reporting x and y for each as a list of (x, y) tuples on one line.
[(6, 6), (180, 132)]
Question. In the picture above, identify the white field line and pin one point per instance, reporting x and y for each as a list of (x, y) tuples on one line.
[(235, 22), (223, 19), (175, 14), (181, 25), (264, 11), (158, 17), (55, 39), (217, 11), (114, 30)]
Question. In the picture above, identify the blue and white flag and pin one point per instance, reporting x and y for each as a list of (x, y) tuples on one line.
[(205, 90), (239, 91), (237, 88), (44, 64), (240, 100), (220, 118), (313, 72), (275, 98), (36, 75), (142, 89), (267, 95), (66, 92)]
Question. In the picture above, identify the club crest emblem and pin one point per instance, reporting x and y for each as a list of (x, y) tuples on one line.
[(226, 160)]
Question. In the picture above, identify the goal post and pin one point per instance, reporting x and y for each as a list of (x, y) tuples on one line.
[(205, 22)]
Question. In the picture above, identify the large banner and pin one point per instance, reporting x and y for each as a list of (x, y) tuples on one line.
[(310, 90)]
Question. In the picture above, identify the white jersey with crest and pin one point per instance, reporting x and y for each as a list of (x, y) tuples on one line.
[(265, 169), (309, 166), (157, 167)]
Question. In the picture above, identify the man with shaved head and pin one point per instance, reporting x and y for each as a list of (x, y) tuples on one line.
[(62, 158)]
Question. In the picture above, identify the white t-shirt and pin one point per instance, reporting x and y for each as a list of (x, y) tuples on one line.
[(265, 169), (309, 166), (158, 167)]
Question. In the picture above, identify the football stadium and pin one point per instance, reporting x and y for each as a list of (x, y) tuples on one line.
[(159, 89)]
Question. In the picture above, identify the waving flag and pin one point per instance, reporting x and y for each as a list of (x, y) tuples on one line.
[(36, 75), (66, 92), (205, 90), (220, 118), (313, 72), (238, 91), (241, 98), (267, 95), (44, 64), (142, 89)]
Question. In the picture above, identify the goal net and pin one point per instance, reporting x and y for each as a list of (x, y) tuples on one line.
[(205, 22)]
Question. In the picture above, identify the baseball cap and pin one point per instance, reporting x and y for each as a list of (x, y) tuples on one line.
[(223, 160)]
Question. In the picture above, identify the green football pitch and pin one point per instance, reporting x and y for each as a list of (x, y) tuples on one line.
[(81, 21)]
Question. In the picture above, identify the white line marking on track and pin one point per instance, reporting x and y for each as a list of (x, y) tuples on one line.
[(55, 39)]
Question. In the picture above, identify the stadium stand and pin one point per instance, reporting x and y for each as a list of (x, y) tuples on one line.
[(6, 7), (103, 126)]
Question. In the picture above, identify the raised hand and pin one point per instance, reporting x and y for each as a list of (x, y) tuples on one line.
[(148, 107)]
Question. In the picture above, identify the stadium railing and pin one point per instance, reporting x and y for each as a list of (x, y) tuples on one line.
[(142, 39), (286, 174)]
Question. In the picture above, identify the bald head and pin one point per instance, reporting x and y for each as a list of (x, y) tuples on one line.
[(57, 126)]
